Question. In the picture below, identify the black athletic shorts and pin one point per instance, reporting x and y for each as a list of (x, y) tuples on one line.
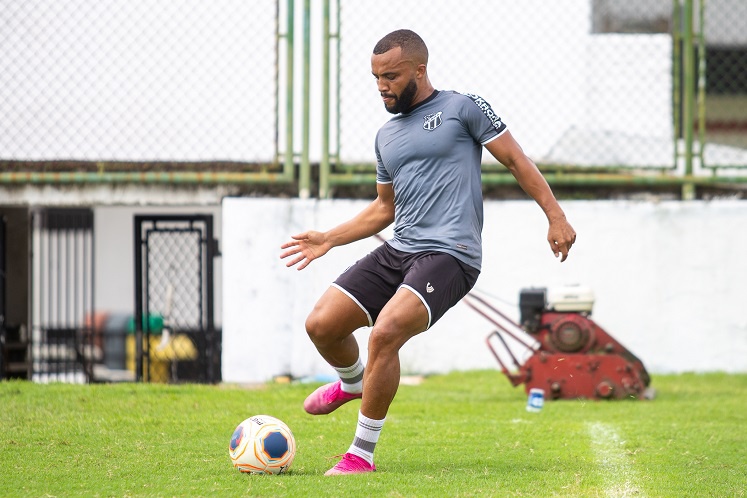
[(438, 279)]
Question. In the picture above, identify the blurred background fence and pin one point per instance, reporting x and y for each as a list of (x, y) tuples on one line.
[(598, 92), (111, 89)]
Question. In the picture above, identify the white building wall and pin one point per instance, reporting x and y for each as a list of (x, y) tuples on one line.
[(669, 280)]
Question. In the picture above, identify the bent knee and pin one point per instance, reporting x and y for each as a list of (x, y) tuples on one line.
[(387, 339), (323, 327), (317, 326), (334, 317)]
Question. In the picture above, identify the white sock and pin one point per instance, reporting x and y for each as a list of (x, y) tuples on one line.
[(366, 436), (351, 377)]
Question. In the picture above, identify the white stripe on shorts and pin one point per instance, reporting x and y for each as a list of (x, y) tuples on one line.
[(405, 286), (368, 315)]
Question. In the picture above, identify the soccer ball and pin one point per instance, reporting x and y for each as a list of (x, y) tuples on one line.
[(262, 445)]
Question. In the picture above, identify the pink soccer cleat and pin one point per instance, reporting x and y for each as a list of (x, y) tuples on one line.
[(350, 464), (327, 399)]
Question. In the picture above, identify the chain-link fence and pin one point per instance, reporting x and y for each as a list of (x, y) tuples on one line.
[(138, 81), (579, 82), (723, 117), (641, 86), (569, 95), (175, 276)]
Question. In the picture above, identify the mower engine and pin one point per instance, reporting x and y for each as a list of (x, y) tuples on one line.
[(571, 356)]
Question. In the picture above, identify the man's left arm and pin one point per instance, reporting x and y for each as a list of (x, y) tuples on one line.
[(560, 234)]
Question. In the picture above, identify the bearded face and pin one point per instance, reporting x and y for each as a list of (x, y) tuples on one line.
[(403, 101)]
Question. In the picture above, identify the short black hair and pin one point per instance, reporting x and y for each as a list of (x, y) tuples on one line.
[(409, 41)]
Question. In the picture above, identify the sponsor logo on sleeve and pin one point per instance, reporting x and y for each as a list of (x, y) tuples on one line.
[(487, 110)]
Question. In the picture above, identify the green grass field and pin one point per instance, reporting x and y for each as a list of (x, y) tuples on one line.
[(463, 434)]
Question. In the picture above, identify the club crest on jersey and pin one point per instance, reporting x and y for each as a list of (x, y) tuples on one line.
[(432, 121)]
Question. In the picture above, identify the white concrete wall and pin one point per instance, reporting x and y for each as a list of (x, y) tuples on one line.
[(669, 279)]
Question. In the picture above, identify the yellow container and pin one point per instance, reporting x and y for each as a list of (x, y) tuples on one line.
[(164, 350), (159, 369)]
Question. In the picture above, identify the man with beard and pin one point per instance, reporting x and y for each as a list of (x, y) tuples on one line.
[(429, 185)]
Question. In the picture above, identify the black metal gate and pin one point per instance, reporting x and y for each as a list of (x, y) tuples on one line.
[(3, 354), (174, 337), (64, 346)]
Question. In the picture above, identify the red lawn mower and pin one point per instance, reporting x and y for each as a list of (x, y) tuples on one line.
[(569, 355)]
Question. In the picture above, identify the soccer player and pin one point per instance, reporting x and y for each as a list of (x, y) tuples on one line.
[(428, 183)]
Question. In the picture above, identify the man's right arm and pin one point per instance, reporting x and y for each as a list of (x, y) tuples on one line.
[(307, 246), (561, 235), (374, 218)]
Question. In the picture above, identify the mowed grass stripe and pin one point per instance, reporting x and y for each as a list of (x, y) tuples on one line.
[(612, 460)]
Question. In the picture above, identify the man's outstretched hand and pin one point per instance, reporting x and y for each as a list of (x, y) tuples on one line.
[(305, 248)]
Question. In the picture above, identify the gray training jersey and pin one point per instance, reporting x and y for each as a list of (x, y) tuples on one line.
[(431, 155)]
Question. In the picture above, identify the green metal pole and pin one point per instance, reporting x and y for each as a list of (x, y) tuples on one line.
[(688, 189), (677, 79), (147, 177), (701, 82), (304, 179), (278, 38), (579, 179), (337, 83), (353, 178), (324, 165), (289, 61)]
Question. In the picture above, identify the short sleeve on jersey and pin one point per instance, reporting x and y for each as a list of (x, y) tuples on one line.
[(484, 124), (382, 175)]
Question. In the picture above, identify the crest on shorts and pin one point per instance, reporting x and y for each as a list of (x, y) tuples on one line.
[(432, 121)]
